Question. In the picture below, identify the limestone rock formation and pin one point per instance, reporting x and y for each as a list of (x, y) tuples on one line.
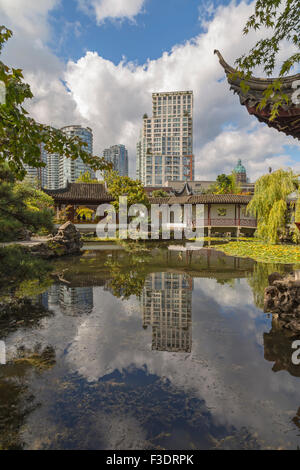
[(283, 294), (68, 237), (282, 297), (67, 241)]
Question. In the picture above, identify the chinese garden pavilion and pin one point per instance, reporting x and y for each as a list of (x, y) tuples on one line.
[(76, 195)]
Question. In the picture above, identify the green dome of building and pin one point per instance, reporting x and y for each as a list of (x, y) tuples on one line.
[(240, 172), (239, 168)]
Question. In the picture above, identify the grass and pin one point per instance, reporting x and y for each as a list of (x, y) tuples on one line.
[(259, 251)]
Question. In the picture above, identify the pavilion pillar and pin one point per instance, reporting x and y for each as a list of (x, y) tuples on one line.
[(72, 213), (208, 220)]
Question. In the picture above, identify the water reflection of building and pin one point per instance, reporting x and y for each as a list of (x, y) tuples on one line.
[(72, 300), (166, 304), (44, 300)]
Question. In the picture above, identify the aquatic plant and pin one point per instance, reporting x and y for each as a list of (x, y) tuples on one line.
[(260, 251)]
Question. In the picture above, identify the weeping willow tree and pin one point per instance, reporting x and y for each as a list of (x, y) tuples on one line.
[(296, 232), (269, 204)]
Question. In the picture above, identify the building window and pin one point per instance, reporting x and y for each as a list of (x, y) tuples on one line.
[(221, 212)]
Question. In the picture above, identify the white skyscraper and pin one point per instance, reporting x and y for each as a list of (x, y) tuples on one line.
[(53, 171), (165, 148), (37, 175), (118, 156), (70, 170), (166, 304), (60, 170)]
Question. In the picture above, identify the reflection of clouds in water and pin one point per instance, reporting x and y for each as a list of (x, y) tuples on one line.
[(110, 338), (226, 367), (225, 295), (93, 431)]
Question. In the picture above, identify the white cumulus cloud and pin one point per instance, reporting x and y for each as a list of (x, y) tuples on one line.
[(258, 146), (113, 9), (112, 98), (27, 16)]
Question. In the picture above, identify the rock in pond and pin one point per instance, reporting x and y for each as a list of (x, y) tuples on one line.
[(67, 241)]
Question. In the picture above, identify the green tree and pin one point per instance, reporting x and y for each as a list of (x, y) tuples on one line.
[(86, 178), (22, 206), (225, 184), (127, 279), (297, 211), (124, 186), (21, 137), (269, 204), (160, 193), (282, 20), (85, 213), (128, 282), (296, 232)]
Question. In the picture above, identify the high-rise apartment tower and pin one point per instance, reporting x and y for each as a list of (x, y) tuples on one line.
[(165, 148), (118, 156), (70, 170)]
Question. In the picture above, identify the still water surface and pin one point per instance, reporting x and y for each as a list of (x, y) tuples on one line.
[(154, 350)]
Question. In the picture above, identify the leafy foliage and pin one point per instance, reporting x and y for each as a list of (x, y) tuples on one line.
[(124, 186), (160, 193), (86, 178), (22, 206), (17, 266), (296, 232), (282, 18), (21, 137), (225, 184), (127, 280), (64, 214), (269, 204), (84, 213)]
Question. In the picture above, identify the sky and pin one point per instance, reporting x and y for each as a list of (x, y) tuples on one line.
[(96, 63)]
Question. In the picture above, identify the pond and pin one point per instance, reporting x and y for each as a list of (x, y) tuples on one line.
[(161, 349)]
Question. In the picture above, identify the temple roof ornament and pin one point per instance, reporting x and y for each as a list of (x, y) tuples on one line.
[(185, 191), (288, 119)]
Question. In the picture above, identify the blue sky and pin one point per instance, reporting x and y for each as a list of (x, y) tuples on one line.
[(97, 62), (160, 25)]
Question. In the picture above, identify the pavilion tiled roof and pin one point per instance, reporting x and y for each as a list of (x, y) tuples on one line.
[(80, 192), (97, 193), (150, 189), (203, 199), (288, 119)]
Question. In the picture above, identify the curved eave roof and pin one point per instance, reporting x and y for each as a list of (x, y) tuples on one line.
[(288, 120), (203, 199), (80, 192)]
